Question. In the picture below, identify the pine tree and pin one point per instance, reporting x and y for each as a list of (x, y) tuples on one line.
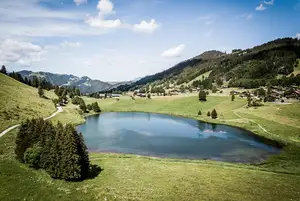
[(202, 96), (214, 114), (3, 70), (82, 106), (71, 169), (77, 92), (199, 113), (41, 91), (208, 113), (84, 157)]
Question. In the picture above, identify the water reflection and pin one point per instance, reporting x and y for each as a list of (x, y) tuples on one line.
[(169, 136)]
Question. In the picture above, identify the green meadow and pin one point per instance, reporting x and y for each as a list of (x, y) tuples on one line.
[(131, 177)]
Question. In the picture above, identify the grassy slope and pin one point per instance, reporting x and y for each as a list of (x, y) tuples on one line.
[(19, 101), (127, 177)]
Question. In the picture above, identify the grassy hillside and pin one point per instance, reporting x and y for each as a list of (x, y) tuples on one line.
[(248, 68), (129, 177), (19, 101)]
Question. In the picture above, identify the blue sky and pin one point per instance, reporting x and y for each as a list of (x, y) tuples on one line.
[(116, 40)]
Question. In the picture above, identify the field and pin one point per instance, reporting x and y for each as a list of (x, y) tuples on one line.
[(130, 177), (19, 101)]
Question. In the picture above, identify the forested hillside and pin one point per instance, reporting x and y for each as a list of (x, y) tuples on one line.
[(272, 62)]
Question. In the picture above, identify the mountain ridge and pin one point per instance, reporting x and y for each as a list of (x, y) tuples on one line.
[(84, 83)]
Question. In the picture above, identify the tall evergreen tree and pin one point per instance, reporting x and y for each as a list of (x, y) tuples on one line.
[(3, 70), (82, 106), (71, 169), (84, 157)]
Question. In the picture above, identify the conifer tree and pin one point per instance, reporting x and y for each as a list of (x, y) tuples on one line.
[(84, 157), (71, 169), (3, 70), (214, 114), (202, 96), (82, 106), (208, 113)]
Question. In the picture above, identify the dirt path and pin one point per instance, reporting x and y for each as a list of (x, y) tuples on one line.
[(59, 109)]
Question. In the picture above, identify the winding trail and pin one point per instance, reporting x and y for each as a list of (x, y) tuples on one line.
[(59, 109), (234, 112)]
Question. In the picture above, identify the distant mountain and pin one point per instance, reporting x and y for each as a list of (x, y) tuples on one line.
[(248, 68), (85, 84)]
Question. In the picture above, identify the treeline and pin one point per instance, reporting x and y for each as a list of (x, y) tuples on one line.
[(34, 81), (60, 150), (85, 108)]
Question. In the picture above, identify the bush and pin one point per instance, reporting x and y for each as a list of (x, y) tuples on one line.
[(89, 107), (149, 96), (232, 97), (32, 156), (214, 114), (96, 107)]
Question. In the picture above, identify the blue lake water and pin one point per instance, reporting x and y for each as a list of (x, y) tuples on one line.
[(174, 137)]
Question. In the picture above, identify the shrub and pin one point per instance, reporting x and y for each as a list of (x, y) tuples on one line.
[(232, 97), (89, 107), (149, 96), (96, 107), (32, 156)]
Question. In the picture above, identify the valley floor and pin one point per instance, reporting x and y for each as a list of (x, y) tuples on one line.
[(130, 177)]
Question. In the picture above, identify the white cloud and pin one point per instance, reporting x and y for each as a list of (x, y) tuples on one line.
[(105, 7), (67, 44), (298, 36), (24, 53), (271, 2), (173, 52), (79, 2), (260, 7), (101, 23), (146, 27)]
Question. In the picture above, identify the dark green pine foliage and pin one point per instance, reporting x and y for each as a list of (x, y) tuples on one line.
[(46, 140), (56, 153), (202, 96), (82, 105), (214, 114), (84, 157)]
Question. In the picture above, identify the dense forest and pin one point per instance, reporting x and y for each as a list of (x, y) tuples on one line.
[(272, 62)]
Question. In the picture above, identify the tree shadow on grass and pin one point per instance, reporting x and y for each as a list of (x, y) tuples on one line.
[(95, 170)]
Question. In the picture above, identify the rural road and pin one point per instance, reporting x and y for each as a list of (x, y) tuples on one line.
[(59, 109)]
